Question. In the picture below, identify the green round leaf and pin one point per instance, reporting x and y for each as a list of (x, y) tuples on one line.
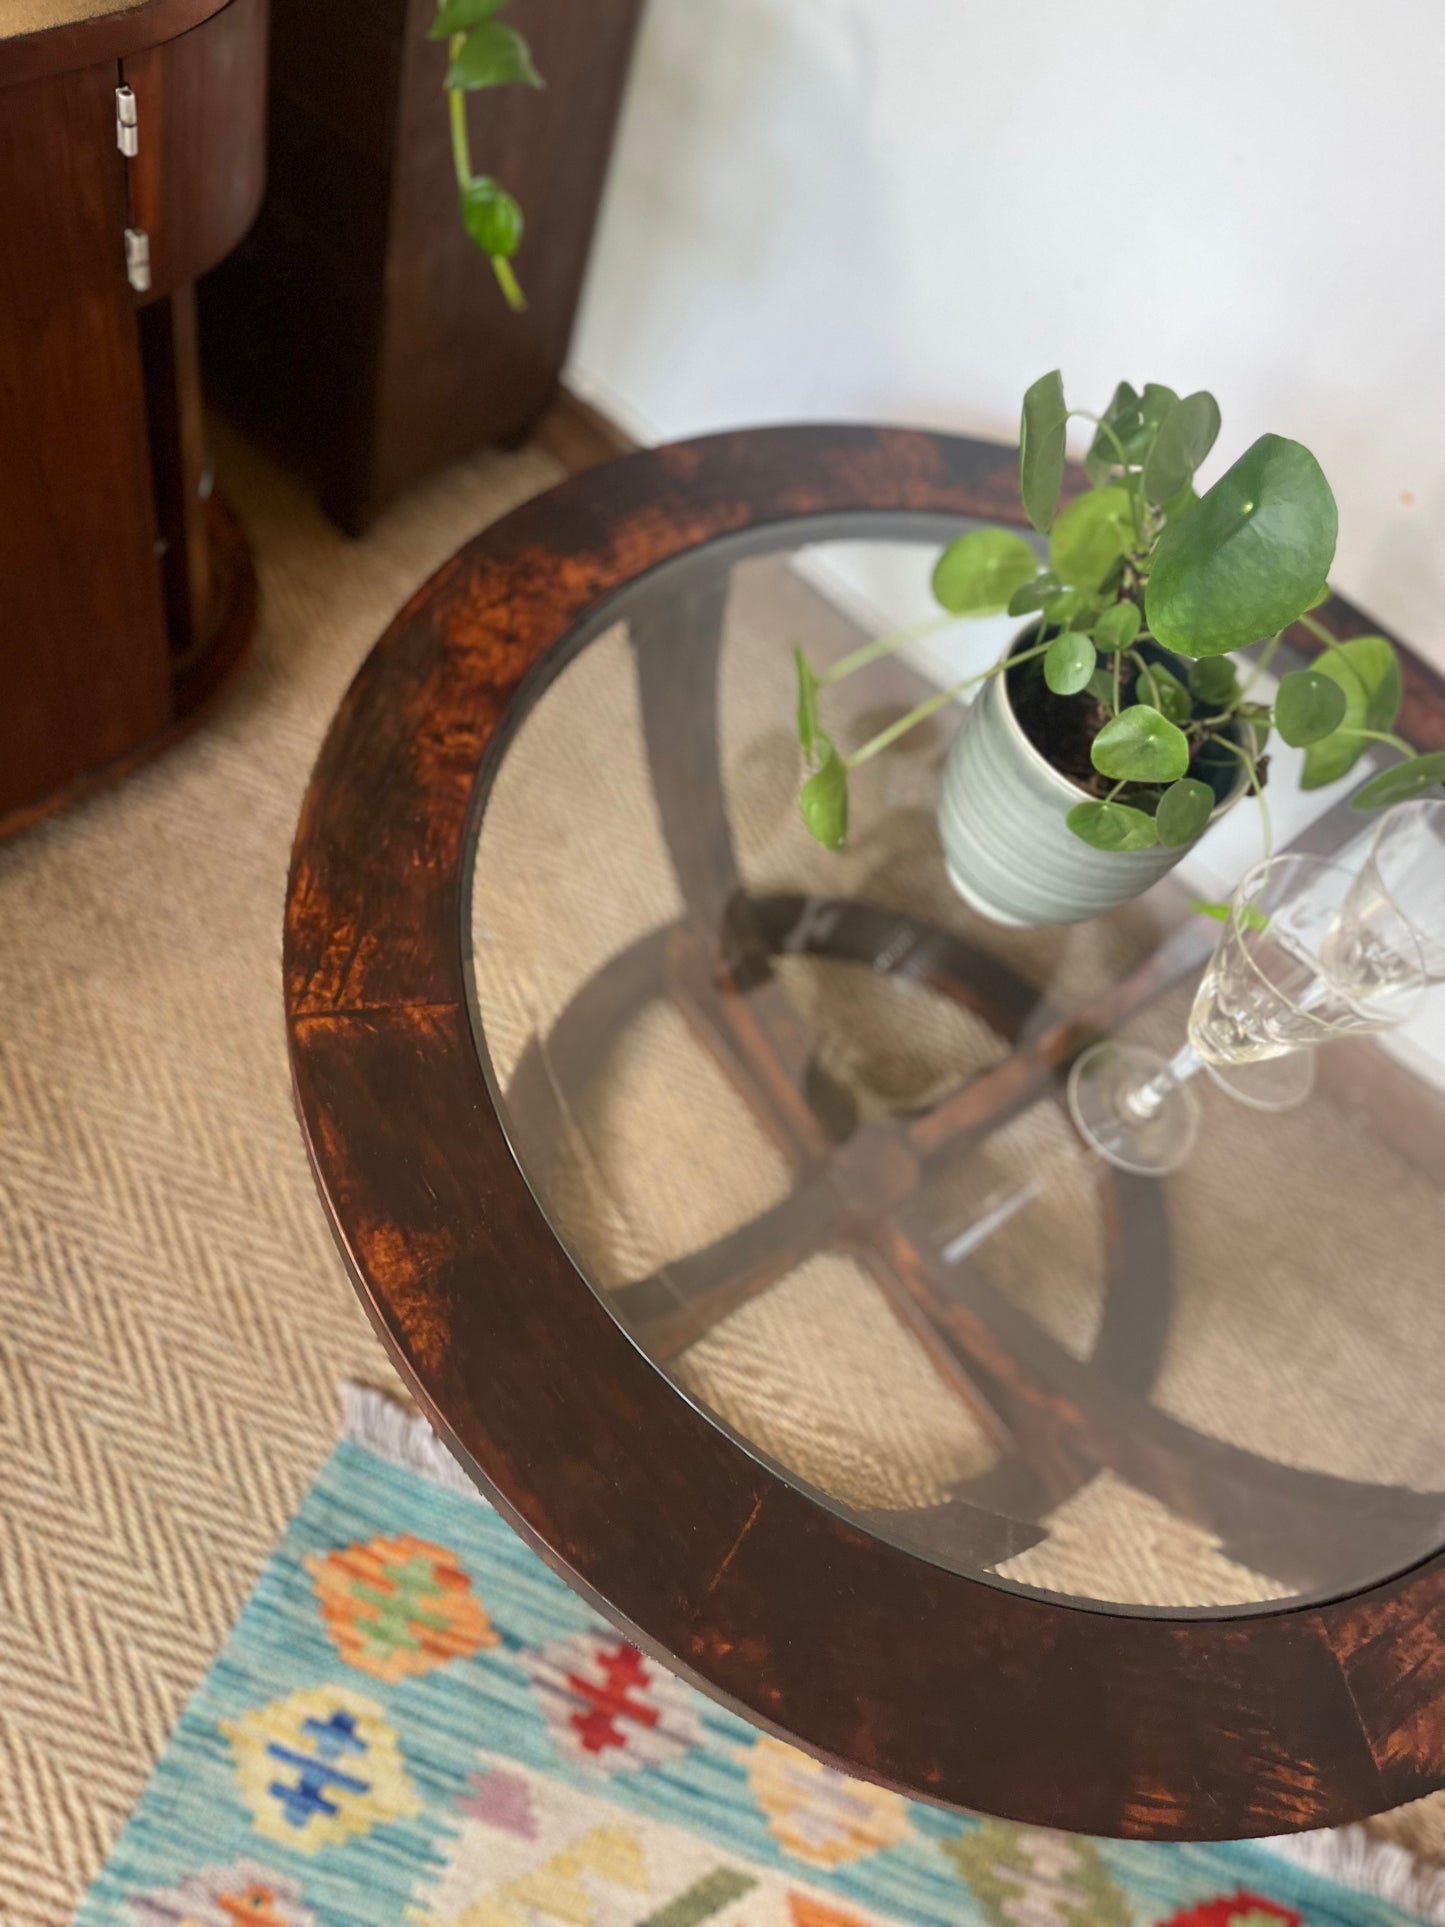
[(492, 218), (1249, 557), (1041, 449), (1140, 746), (1186, 435), (1164, 692), (1374, 661), (824, 799), (1184, 809), (493, 55), (978, 573), (1112, 826), (459, 16), (1124, 410), (1091, 535), (1117, 627), (1403, 783), (1213, 680), (807, 704), (1033, 595), (1068, 663), (1067, 609), (1327, 761), (1308, 707)]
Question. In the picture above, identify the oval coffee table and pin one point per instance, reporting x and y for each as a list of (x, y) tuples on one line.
[(716, 1197)]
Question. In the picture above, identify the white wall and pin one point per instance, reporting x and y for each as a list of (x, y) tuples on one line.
[(908, 209)]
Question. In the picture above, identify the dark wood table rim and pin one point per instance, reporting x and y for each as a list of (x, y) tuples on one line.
[(949, 1688)]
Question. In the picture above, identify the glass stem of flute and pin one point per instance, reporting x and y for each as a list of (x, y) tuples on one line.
[(1146, 1100)]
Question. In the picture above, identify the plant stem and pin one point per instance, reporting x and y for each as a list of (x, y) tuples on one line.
[(1318, 630), (884, 646), (1266, 656), (457, 112), (1380, 736), (1258, 788), (931, 706), (1117, 654), (1136, 498)]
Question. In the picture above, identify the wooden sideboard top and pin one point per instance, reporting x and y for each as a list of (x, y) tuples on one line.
[(40, 37)]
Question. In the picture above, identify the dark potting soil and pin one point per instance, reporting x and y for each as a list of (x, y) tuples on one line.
[(1062, 728)]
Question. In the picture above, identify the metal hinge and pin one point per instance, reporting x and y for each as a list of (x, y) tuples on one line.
[(138, 259), (127, 132)]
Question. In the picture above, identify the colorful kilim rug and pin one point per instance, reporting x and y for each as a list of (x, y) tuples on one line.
[(414, 1722)]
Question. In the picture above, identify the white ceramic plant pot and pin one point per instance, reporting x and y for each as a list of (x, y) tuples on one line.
[(1010, 854)]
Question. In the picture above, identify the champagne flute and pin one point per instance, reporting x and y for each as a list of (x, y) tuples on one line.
[(1305, 956), (1406, 871)]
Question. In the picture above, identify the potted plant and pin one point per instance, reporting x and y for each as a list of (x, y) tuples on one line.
[(1116, 727)]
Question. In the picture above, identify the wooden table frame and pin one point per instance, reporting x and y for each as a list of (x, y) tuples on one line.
[(945, 1686)]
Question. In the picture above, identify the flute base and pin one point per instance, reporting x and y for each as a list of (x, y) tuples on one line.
[(1130, 1107), (1270, 1083)]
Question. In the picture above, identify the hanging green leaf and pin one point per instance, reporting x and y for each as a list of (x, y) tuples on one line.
[(1251, 918), (1068, 663), (824, 798), (1213, 680), (492, 218), (1165, 692), (459, 16), (807, 704), (1140, 746), (1041, 449), (1091, 535), (493, 55), (1308, 707), (1032, 596), (1247, 560), (1112, 826), (1101, 687), (978, 573), (1186, 434), (1117, 627), (1184, 810), (1402, 784)]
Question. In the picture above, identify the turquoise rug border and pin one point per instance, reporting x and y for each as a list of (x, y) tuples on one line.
[(192, 1816)]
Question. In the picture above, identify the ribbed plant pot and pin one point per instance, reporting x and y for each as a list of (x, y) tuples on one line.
[(1001, 817)]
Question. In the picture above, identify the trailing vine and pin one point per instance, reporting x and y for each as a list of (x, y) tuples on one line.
[(484, 51)]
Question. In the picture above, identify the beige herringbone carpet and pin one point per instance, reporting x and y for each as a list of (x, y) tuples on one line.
[(174, 1321)]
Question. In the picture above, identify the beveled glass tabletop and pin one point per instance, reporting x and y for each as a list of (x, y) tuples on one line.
[(798, 1119)]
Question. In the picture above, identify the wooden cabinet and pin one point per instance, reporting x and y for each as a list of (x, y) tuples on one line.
[(357, 328), (127, 587)]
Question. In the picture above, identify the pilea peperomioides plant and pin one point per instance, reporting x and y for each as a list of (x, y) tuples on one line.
[(1127, 674)]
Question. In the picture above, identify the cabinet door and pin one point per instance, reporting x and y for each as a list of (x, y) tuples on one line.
[(199, 168), (84, 672)]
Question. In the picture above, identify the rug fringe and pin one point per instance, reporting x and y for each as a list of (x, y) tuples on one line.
[(372, 1419), (1349, 1855), (1353, 1856)]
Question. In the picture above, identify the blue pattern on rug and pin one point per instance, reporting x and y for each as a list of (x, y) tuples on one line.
[(415, 1721)]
